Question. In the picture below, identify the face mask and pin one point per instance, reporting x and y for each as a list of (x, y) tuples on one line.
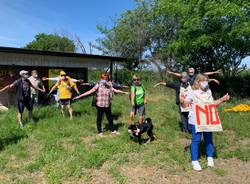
[(191, 75), (35, 75), (26, 76), (103, 81), (184, 80), (204, 85)]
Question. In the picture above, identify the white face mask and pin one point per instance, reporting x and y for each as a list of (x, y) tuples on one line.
[(204, 85), (25, 76), (35, 75)]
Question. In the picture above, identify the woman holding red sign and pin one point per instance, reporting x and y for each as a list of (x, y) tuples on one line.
[(200, 93)]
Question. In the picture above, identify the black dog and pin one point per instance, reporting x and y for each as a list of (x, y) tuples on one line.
[(136, 131)]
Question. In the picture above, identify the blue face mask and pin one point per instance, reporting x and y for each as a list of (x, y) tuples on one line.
[(103, 82)]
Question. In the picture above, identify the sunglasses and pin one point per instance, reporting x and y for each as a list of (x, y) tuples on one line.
[(63, 75), (136, 79)]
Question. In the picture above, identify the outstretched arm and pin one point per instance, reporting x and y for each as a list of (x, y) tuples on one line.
[(6, 88), (54, 79), (225, 98), (52, 89), (160, 83), (215, 72), (120, 91), (174, 73), (214, 80), (86, 93)]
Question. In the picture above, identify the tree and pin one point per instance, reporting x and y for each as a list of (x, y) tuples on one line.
[(205, 34), (52, 42), (129, 36), (211, 34)]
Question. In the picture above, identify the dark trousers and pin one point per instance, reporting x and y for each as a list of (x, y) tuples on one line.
[(184, 121), (107, 111)]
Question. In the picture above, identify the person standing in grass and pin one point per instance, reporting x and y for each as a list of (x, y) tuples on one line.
[(23, 86), (37, 82), (200, 93), (104, 90), (65, 85), (56, 79), (138, 100), (181, 89)]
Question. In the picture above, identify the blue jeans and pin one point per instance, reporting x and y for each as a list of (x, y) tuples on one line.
[(196, 139)]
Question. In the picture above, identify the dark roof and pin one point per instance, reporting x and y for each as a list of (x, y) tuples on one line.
[(64, 54)]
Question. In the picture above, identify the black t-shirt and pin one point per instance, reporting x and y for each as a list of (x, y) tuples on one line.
[(176, 86), (23, 89)]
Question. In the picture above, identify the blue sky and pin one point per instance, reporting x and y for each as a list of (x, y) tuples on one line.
[(21, 20)]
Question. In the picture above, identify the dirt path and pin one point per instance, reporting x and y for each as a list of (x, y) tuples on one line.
[(231, 171)]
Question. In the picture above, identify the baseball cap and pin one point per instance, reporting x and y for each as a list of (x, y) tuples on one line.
[(62, 73), (23, 72)]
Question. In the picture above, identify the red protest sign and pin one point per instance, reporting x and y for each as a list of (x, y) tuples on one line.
[(207, 118)]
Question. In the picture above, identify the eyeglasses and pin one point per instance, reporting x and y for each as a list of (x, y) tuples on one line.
[(136, 79), (63, 75)]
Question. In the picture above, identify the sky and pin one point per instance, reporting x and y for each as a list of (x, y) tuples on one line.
[(21, 20)]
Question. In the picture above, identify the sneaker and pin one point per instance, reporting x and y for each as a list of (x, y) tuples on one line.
[(196, 165), (115, 132), (100, 134), (210, 162)]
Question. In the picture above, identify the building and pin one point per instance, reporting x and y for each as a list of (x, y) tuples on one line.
[(50, 63)]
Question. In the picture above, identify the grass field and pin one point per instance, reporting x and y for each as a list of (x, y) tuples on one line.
[(56, 150)]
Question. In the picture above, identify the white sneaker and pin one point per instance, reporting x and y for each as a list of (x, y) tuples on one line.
[(196, 165), (210, 162), (115, 132), (100, 134)]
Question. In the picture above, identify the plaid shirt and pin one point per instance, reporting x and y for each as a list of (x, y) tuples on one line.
[(104, 94)]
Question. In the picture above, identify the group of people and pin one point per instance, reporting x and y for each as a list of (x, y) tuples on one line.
[(27, 91), (192, 88)]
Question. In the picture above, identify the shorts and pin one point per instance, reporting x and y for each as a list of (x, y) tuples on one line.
[(21, 104), (65, 101), (139, 108)]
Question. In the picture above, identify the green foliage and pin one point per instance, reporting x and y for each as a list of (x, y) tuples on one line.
[(52, 42), (237, 86), (205, 34), (211, 34)]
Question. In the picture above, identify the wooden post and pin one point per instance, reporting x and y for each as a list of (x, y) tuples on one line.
[(111, 70)]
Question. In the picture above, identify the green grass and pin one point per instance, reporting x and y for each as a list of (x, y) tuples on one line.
[(55, 149)]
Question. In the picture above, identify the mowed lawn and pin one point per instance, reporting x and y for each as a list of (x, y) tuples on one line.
[(54, 149)]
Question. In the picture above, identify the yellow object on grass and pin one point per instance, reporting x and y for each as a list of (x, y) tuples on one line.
[(239, 108)]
